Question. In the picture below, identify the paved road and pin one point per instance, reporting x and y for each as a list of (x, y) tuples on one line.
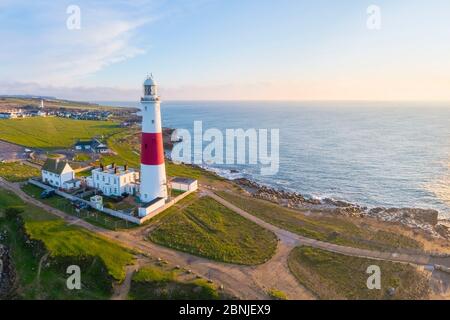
[(245, 282), (11, 152)]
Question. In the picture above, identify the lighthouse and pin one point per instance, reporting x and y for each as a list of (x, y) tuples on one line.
[(153, 171)]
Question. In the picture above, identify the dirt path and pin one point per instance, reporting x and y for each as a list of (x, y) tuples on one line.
[(245, 282), (121, 290), (275, 274)]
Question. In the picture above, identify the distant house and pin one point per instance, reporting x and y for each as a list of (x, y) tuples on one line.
[(92, 145), (99, 147), (83, 145), (12, 114), (56, 172)]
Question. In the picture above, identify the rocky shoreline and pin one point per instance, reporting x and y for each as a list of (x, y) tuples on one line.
[(419, 219)]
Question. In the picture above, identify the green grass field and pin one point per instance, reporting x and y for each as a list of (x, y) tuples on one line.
[(335, 276), (336, 230), (203, 227), (100, 260), (17, 172), (53, 132), (156, 283), (81, 157)]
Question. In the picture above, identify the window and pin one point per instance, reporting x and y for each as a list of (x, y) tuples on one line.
[(153, 121), (145, 108)]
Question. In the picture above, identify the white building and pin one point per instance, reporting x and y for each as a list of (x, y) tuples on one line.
[(56, 172), (184, 184), (113, 180)]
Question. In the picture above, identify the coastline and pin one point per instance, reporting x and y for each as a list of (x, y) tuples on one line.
[(426, 220)]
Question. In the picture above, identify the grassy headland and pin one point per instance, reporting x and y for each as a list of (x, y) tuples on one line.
[(203, 227), (334, 276), (334, 229)]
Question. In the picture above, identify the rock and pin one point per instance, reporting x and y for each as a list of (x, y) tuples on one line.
[(443, 231), (391, 291)]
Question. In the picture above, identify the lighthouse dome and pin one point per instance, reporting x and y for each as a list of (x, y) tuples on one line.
[(150, 81), (150, 88)]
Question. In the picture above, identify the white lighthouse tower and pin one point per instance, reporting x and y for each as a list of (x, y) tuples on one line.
[(153, 170)]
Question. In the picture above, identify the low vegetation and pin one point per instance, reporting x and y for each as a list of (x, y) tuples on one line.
[(277, 294), (53, 132), (62, 240), (42, 246), (156, 283), (334, 276), (203, 227), (17, 171), (336, 230), (81, 157)]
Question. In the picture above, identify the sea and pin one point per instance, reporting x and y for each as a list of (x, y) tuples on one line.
[(375, 154)]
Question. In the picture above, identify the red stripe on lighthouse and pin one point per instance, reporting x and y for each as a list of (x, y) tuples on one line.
[(152, 150)]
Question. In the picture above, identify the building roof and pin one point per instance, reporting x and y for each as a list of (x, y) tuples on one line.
[(72, 181), (84, 143), (55, 165), (111, 170), (183, 180), (148, 204)]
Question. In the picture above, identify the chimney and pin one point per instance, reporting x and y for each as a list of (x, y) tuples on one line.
[(115, 170), (125, 167), (113, 165), (102, 167)]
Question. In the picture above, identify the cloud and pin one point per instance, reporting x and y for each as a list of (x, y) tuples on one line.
[(51, 54)]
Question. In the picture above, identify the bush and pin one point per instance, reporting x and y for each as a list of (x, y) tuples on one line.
[(12, 212)]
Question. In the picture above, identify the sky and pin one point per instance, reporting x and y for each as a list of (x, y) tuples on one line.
[(227, 49)]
